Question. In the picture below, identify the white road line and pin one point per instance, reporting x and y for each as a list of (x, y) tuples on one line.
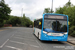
[(4, 43), (40, 45), (34, 46), (19, 37), (23, 43), (13, 47), (18, 42), (12, 35), (22, 38)]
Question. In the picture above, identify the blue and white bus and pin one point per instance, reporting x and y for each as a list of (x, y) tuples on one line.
[(51, 27)]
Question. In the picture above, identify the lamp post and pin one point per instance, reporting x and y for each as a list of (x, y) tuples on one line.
[(52, 7), (22, 12)]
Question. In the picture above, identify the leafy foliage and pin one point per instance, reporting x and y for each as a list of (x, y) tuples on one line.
[(19, 21), (4, 12), (26, 21), (72, 31), (14, 20), (69, 10), (48, 10)]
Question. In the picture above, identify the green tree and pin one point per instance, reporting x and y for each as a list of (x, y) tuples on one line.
[(4, 12), (19, 21), (47, 10), (61, 10), (26, 21), (68, 4), (68, 9), (14, 20), (23, 22)]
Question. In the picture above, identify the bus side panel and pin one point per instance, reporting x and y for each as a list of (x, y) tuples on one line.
[(67, 26), (38, 32)]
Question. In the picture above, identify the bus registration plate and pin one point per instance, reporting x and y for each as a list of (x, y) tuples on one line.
[(54, 40)]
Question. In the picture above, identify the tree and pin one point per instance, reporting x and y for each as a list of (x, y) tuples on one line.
[(4, 12), (26, 21), (68, 9), (68, 4), (14, 20), (60, 10), (23, 22), (47, 10)]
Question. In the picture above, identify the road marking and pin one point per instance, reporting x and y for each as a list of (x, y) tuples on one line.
[(23, 38), (34, 46), (18, 42), (19, 37), (40, 45), (12, 35), (69, 44), (23, 43), (1, 30), (4, 43), (13, 47)]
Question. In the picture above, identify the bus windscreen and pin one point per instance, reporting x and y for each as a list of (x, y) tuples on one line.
[(55, 26)]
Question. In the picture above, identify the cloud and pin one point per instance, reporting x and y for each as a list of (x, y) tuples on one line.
[(33, 8)]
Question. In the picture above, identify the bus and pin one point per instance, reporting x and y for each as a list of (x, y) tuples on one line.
[(51, 27)]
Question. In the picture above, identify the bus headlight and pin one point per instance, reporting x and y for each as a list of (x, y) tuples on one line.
[(65, 33), (44, 32)]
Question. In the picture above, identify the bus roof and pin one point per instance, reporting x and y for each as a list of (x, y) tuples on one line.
[(51, 14), (55, 14)]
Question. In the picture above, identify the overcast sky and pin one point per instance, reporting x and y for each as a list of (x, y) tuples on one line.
[(33, 8)]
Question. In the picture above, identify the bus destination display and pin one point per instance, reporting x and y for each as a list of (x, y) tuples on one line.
[(55, 17)]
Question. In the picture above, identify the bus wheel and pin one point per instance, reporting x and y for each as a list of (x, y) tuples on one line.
[(38, 35)]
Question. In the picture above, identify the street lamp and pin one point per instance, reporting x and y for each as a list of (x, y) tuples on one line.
[(22, 12), (52, 7)]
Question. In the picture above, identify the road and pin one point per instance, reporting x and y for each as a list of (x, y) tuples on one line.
[(22, 38)]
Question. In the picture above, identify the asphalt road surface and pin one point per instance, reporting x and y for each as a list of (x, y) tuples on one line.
[(22, 38)]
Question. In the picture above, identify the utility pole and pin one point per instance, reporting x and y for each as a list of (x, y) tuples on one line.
[(52, 7), (22, 12), (69, 0), (69, 3)]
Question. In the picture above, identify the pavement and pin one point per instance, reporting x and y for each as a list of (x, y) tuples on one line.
[(22, 38), (71, 40)]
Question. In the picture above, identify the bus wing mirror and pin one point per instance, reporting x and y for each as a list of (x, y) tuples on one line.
[(68, 23), (39, 23)]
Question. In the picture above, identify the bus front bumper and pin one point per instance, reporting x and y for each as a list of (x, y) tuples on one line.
[(54, 38)]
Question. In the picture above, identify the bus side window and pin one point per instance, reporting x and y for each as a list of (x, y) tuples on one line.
[(40, 24)]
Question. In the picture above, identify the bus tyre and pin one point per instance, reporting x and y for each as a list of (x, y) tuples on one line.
[(38, 35)]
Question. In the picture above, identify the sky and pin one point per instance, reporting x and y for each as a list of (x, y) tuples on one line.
[(33, 8)]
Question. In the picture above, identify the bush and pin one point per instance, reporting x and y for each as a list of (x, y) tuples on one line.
[(1, 23), (73, 34), (72, 31)]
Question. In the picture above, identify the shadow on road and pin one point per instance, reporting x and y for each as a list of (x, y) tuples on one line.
[(52, 42)]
